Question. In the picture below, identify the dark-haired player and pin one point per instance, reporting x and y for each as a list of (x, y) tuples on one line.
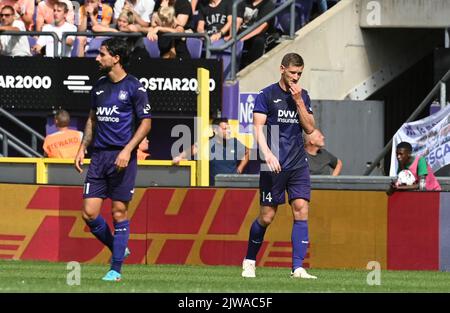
[(118, 103)]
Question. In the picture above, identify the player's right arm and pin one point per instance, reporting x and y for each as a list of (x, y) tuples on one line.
[(87, 139), (259, 120)]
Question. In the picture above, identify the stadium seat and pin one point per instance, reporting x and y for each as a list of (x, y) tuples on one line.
[(74, 51), (302, 13), (226, 57), (32, 41), (152, 48), (194, 46), (94, 47)]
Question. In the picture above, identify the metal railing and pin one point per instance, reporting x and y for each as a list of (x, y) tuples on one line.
[(33, 33), (6, 137), (411, 118), (235, 37), (9, 139), (128, 35)]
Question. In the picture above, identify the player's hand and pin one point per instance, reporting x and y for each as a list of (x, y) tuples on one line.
[(296, 92), (176, 160), (122, 159), (273, 163), (79, 160)]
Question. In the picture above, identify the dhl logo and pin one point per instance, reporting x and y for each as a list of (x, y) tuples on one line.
[(168, 226)]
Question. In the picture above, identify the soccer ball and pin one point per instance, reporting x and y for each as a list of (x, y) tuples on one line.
[(405, 177)]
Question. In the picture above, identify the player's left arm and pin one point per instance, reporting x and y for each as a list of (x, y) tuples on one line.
[(306, 117), (124, 156), (142, 110)]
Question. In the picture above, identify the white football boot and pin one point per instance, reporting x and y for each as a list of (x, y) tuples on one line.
[(301, 273), (249, 268)]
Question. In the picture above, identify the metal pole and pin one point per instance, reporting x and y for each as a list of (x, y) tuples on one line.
[(446, 38), (443, 95), (292, 28), (34, 142), (5, 144), (412, 117), (233, 34)]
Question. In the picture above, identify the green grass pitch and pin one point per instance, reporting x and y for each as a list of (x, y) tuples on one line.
[(29, 276)]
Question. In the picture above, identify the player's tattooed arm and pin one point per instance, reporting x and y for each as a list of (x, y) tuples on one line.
[(87, 138), (89, 129)]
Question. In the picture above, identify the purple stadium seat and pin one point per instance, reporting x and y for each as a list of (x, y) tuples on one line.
[(32, 42), (152, 48), (74, 52), (94, 47), (194, 46), (226, 56)]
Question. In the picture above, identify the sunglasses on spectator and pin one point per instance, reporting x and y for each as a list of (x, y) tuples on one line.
[(5, 15)]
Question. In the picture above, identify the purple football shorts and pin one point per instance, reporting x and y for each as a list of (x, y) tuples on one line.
[(272, 186), (103, 180)]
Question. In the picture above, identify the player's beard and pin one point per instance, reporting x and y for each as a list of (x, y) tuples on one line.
[(104, 69)]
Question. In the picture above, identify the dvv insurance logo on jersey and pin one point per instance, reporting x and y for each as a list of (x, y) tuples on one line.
[(77, 83)]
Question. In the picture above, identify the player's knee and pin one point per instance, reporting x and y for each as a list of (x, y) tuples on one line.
[(265, 220), (300, 210), (87, 217), (119, 215)]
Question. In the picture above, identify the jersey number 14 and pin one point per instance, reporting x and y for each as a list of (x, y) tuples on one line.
[(267, 197)]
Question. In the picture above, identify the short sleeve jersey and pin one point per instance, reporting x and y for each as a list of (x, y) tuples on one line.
[(322, 162), (118, 107), (284, 132)]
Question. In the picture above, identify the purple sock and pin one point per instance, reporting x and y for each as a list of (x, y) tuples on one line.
[(101, 230), (255, 240), (121, 235), (299, 243)]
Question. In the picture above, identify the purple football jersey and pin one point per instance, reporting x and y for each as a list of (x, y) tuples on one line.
[(118, 107), (284, 131)]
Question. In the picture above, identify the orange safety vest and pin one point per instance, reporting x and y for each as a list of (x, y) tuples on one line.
[(63, 144)]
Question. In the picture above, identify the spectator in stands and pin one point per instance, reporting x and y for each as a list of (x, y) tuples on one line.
[(65, 142), (59, 26), (183, 15), (255, 42), (92, 12), (417, 166), (165, 18), (125, 23), (321, 162), (45, 13), (142, 152), (12, 45), (24, 10), (227, 155), (215, 18), (142, 10)]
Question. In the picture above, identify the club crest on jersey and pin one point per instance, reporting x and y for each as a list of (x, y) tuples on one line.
[(123, 95)]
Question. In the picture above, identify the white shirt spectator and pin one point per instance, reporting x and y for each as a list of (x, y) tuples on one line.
[(142, 7), (15, 45), (47, 41)]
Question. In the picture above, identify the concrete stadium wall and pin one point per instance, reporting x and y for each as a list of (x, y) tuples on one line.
[(342, 60), (209, 226)]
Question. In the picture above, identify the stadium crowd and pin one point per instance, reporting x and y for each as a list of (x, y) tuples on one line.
[(151, 18)]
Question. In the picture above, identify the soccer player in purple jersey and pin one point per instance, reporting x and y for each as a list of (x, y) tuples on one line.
[(284, 111), (118, 102)]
